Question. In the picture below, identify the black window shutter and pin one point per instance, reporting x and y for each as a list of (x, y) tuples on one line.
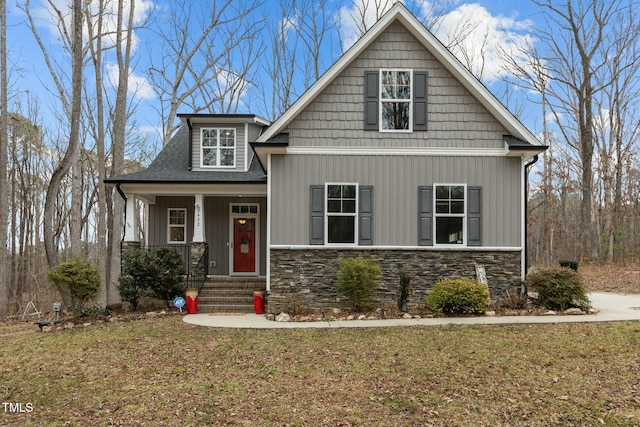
[(316, 220), (474, 216), (425, 216), (365, 215), (371, 92), (419, 100)]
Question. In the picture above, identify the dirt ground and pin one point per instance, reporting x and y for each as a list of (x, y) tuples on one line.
[(611, 278)]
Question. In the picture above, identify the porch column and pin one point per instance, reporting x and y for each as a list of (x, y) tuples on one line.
[(131, 220), (198, 219)]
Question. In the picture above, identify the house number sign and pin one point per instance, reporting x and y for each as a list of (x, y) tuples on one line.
[(481, 274)]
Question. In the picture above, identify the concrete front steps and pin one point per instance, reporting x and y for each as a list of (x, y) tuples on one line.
[(225, 294)]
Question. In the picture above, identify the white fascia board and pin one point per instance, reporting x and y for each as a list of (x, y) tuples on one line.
[(405, 151), (404, 248), (190, 189)]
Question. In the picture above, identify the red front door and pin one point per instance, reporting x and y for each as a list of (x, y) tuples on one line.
[(244, 245)]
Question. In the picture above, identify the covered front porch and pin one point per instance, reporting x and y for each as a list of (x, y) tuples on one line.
[(229, 231)]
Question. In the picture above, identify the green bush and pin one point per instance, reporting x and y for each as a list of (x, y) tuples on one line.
[(558, 288), (458, 296), (169, 282), (569, 264), (157, 273), (358, 279), (78, 279), (137, 275), (405, 289)]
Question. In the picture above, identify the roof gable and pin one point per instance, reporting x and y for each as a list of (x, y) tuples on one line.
[(398, 13)]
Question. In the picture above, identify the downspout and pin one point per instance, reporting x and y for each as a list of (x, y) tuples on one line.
[(190, 143), (526, 211), (124, 197)]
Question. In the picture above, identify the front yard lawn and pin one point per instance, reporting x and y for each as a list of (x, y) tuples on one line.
[(161, 371)]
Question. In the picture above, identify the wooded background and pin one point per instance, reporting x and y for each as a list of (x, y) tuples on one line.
[(576, 71)]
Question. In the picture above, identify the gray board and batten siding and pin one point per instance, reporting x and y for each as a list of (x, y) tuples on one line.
[(216, 214), (455, 118), (395, 181)]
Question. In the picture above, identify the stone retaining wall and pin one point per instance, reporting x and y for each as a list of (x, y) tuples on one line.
[(310, 275)]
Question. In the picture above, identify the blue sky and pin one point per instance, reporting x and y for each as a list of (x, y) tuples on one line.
[(495, 21)]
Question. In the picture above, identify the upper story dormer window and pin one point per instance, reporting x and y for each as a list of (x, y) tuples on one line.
[(395, 100), (218, 147)]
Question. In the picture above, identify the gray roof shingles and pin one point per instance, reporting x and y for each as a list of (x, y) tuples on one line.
[(172, 166)]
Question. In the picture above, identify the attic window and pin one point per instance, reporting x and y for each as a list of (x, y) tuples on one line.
[(395, 100), (218, 147)]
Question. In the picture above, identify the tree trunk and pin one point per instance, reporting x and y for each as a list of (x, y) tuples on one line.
[(4, 143)]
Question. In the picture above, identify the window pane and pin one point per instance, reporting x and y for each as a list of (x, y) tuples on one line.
[(349, 191), (227, 157), (442, 192), (333, 191), (395, 115), (449, 230), (349, 206), (253, 209), (176, 217), (334, 206), (457, 207), (227, 138), (209, 137), (209, 157), (176, 234), (341, 229), (442, 207), (235, 209), (457, 192)]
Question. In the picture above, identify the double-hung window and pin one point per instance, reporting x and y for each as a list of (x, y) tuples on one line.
[(396, 100), (341, 213), (450, 209), (177, 226), (218, 147)]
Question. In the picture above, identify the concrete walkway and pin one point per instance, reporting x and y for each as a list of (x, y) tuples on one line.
[(611, 307)]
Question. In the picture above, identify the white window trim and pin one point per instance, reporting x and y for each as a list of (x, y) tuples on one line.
[(356, 214), (170, 226), (462, 215), (409, 101), (217, 147)]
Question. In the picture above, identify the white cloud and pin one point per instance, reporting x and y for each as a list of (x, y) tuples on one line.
[(138, 87), (476, 37)]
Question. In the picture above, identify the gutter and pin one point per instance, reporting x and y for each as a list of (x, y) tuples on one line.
[(526, 212)]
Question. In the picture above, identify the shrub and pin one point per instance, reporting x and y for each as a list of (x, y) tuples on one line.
[(138, 273), (168, 283), (157, 273), (514, 300), (78, 279), (358, 279), (458, 296), (405, 289), (569, 264), (558, 288)]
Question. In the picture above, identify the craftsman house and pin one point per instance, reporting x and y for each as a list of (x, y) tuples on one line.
[(397, 154)]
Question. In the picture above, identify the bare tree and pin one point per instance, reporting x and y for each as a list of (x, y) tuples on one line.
[(4, 124), (72, 102), (196, 64)]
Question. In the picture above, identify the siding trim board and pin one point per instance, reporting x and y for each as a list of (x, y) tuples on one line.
[(404, 248), (408, 151)]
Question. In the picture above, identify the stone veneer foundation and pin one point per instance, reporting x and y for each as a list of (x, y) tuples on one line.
[(310, 275)]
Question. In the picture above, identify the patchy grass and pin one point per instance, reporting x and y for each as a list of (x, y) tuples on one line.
[(161, 371)]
